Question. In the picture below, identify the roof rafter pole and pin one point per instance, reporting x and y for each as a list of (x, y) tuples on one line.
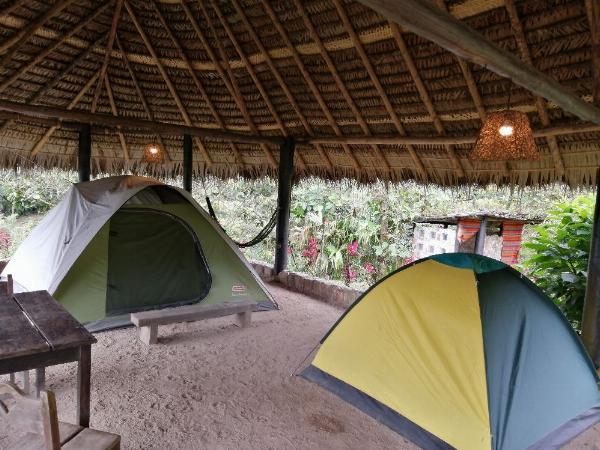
[(48, 50), (165, 75), (285, 88), (540, 104), (236, 153), (140, 94), (233, 91), (312, 86), (10, 8), (115, 112), (50, 131), (258, 83), (132, 123), (424, 94), (107, 54), (441, 140), (48, 86), (342, 87), (13, 43), (593, 12), (348, 27), (427, 20)]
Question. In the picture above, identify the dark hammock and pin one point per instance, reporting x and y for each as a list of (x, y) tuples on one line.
[(261, 236)]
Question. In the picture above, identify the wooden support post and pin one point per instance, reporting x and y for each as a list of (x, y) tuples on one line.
[(284, 198), (187, 162), (480, 238), (84, 370), (85, 153), (591, 309)]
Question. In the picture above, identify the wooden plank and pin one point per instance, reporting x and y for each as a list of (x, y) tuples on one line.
[(427, 20), (84, 385), (67, 431), (39, 359), (190, 313), (18, 337), (590, 323), (57, 326), (90, 439), (133, 123)]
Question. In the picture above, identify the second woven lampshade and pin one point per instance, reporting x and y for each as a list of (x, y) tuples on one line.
[(505, 135)]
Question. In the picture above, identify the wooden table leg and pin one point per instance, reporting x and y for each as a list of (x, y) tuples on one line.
[(40, 380), (84, 370)]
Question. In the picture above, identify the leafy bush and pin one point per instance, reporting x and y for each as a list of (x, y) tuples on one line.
[(559, 254), (35, 191)]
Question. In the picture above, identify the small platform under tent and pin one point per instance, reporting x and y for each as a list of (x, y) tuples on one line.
[(449, 92)]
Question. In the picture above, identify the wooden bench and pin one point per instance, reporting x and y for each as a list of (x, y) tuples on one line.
[(38, 420), (148, 321)]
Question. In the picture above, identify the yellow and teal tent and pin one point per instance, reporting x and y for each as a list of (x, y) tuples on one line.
[(122, 244), (461, 351)]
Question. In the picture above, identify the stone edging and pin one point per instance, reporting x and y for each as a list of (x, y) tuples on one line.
[(331, 292)]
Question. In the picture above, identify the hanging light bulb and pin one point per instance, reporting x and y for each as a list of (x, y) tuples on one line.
[(505, 135), (506, 130), (153, 153)]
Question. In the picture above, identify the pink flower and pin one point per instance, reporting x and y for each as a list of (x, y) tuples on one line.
[(290, 250), (312, 250), (353, 248), (407, 261), (369, 267), (5, 238), (349, 273)]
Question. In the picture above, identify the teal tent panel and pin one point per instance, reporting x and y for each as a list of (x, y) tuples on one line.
[(539, 376), (477, 263)]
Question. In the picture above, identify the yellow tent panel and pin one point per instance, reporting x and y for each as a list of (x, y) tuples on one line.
[(427, 340)]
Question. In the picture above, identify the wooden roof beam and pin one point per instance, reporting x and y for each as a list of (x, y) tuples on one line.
[(241, 104), (48, 86), (167, 79), (250, 69), (313, 87), (424, 94), (115, 112), (13, 43), (342, 86), (50, 131), (140, 94), (593, 12), (51, 48), (427, 20), (540, 104), (286, 90), (236, 153), (131, 123), (107, 54)]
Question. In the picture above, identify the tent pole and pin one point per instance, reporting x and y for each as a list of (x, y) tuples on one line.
[(85, 152), (187, 162), (284, 197), (591, 308), (480, 238)]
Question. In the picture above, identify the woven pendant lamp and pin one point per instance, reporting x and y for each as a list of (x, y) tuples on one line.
[(153, 153), (505, 135)]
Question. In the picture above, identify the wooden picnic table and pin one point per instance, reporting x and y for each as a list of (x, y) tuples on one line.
[(36, 332)]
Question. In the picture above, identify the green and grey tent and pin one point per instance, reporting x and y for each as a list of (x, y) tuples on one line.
[(461, 351), (122, 244)]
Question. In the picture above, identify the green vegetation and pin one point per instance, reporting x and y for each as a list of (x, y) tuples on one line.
[(559, 253), (351, 232)]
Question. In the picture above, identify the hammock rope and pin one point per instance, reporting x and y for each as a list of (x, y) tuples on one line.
[(261, 236)]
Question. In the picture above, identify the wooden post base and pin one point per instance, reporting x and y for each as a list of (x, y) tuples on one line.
[(149, 334), (245, 318)]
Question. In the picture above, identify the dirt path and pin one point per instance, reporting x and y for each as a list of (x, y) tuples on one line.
[(212, 385)]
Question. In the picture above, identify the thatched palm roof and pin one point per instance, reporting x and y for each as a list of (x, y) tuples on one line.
[(315, 68)]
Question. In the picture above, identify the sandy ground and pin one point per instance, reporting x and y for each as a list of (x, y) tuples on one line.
[(212, 385)]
